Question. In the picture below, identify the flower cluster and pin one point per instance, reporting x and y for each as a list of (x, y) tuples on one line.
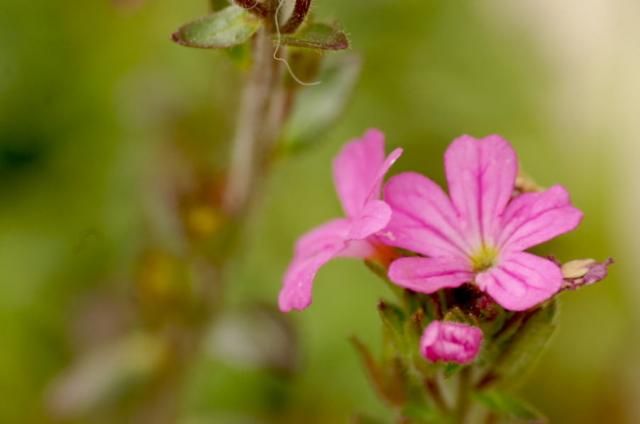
[(475, 235)]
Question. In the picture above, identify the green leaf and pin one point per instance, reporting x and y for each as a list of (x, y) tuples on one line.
[(317, 36), (319, 107), (510, 406), (521, 352), (227, 28)]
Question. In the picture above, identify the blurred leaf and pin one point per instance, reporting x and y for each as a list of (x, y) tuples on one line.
[(508, 405), (105, 373), (227, 28), (519, 355), (318, 36), (218, 4), (259, 336), (365, 419), (240, 55), (319, 107)]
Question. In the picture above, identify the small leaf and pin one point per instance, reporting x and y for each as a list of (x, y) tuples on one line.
[(509, 405), (319, 107), (318, 36), (227, 28)]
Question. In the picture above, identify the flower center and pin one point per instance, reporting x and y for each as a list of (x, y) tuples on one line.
[(484, 258)]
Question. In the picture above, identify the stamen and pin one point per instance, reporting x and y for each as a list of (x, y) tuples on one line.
[(484, 258)]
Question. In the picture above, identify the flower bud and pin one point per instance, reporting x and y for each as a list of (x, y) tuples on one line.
[(584, 272), (451, 342)]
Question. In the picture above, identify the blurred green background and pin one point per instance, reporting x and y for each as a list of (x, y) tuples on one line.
[(92, 93)]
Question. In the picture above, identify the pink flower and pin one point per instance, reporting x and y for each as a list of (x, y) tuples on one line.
[(479, 232), (451, 342), (358, 172)]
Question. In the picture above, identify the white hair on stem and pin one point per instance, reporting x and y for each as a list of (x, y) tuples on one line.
[(279, 44)]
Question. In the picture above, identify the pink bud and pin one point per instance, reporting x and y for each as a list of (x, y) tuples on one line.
[(451, 342)]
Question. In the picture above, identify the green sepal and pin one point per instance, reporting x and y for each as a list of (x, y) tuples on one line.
[(455, 314), (451, 369), (227, 28), (317, 36), (393, 320), (517, 355)]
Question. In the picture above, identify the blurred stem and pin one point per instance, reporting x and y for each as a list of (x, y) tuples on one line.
[(462, 406), (260, 119), (249, 124), (433, 388)]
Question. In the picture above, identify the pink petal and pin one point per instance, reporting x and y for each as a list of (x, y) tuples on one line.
[(423, 218), (521, 281), (451, 342), (298, 280), (481, 176), (386, 165), (372, 218), (533, 218), (358, 249), (358, 171), (327, 234), (427, 275)]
